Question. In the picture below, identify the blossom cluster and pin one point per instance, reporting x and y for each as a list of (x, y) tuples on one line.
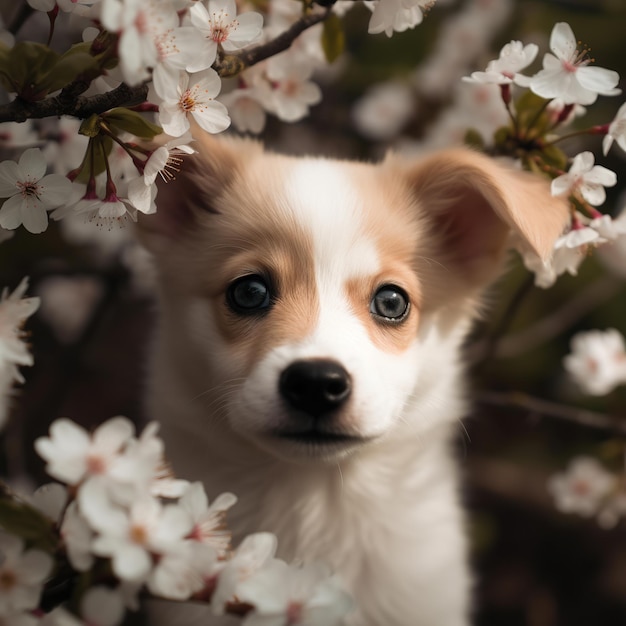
[(121, 524), (177, 48), (566, 83)]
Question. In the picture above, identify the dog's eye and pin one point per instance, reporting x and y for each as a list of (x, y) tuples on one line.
[(248, 294), (390, 303)]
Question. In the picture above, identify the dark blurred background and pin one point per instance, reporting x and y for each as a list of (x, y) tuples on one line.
[(534, 566)]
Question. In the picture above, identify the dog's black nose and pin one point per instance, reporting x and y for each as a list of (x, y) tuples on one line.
[(315, 386)]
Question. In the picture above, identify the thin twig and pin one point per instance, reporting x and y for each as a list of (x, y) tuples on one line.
[(545, 408), (585, 301), (232, 64), (489, 346)]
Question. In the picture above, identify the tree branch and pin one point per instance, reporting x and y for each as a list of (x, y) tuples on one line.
[(68, 102), (544, 408), (232, 64), (20, 110)]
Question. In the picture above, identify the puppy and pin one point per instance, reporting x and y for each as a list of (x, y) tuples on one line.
[(308, 360)]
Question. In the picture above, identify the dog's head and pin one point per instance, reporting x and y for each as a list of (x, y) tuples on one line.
[(314, 305)]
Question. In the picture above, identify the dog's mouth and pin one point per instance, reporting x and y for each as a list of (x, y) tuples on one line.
[(319, 437)]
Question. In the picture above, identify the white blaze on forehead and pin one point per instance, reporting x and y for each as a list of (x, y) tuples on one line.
[(329, 206)]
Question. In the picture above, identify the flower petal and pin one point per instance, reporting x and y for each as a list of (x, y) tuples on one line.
[(113, 434), (34, 567), (131, 563), (34, 217), (11, 212), (563, 41), (213, 118), (598, 79), (33, 163), (55, 190)]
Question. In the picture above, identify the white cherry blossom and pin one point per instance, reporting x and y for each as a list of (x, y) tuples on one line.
[(111, 202), (256, 551), (384, 110), (293, 93), (22, 574), (165, 161), (139, 23), (514, 57), (246, 109), (178, 49), (582, 488), (597, 362), (29, 192), (391, 16), (131, 537), (283, 594), (609, 228), (141, 469), (14, 310), (567, 73), (569, 252), (585, 178), (616, 131), (209, 522), (73, 455), (14, 352), (189, 570), (193, 94), (221, 26)]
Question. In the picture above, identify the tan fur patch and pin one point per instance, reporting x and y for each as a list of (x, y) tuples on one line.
[(255, 233), (398, 233)]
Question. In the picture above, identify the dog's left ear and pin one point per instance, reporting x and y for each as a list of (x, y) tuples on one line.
[(475, 203)]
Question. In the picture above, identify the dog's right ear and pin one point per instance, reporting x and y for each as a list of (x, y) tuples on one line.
[(195, 191)]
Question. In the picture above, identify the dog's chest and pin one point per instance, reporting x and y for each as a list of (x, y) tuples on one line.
[(393, 539)]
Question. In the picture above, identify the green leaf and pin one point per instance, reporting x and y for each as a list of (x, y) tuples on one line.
[(90, 126), (27, 65), (474, 139), (76, 62), (4, 67), (333, 38), (121, 119), (531, 111), (26, 522), (555, 157), (102, 150)]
